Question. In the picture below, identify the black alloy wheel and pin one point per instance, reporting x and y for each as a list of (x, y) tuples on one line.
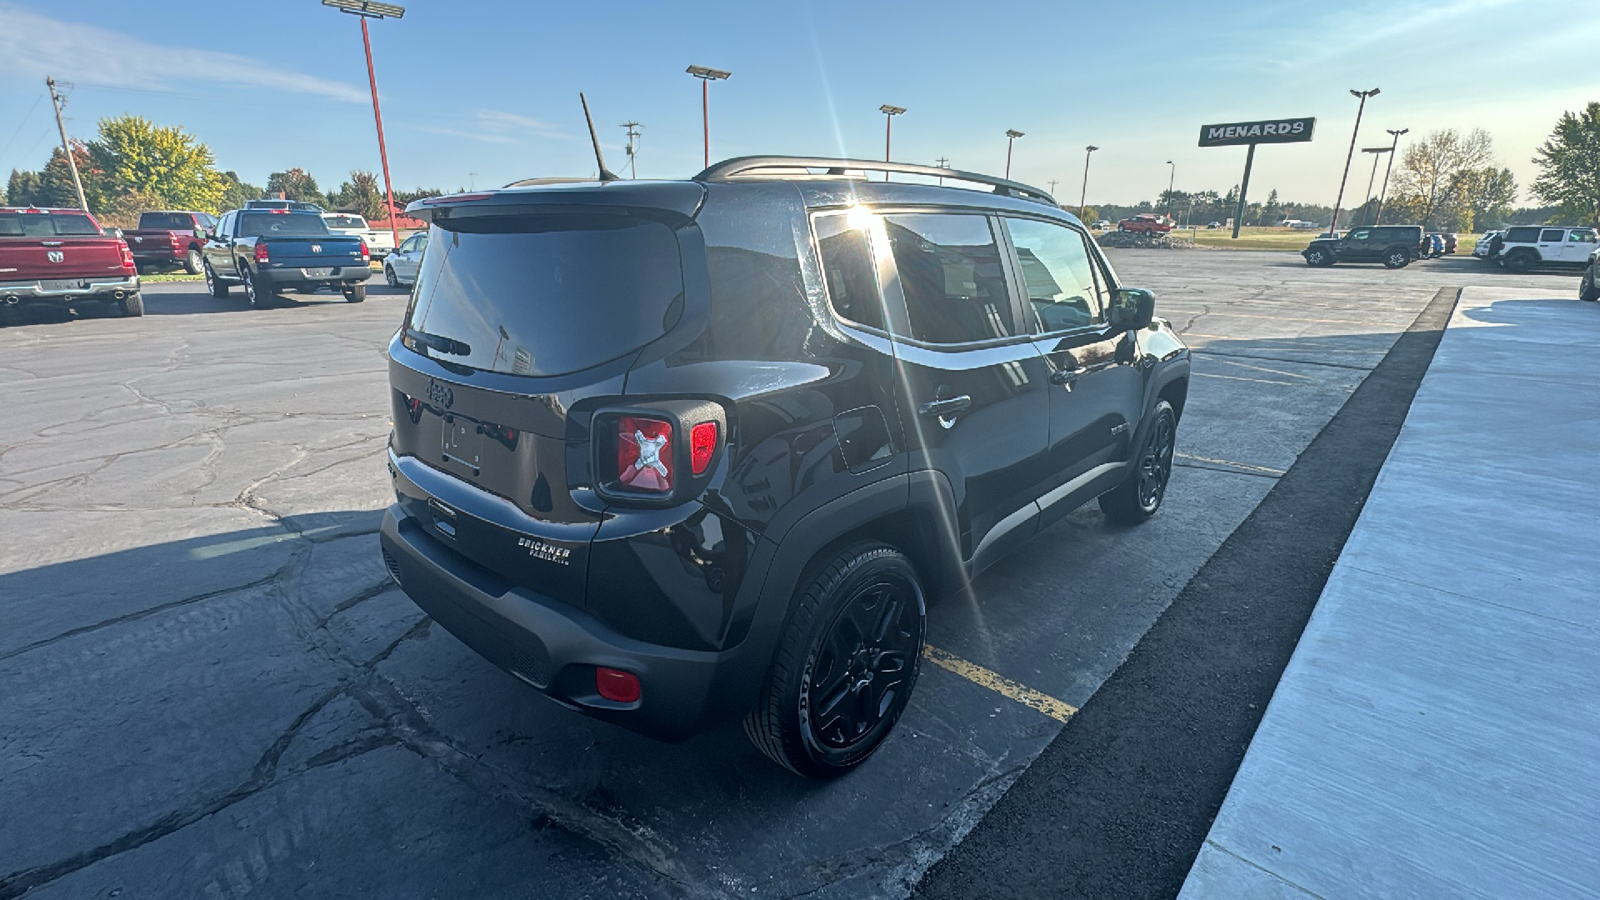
[(213, 285), (1587, 288), (192, 262), (846, 666), (389, 276), (1316, 256), (251, 292), (1140, 494), (1520, 261)]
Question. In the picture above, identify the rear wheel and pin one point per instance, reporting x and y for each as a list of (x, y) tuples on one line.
[(1521, 261), (1140, 494), (355, 293), (845, 667), (1396, 259), (191, 261), (1587, 288), (256, 296), (213, 284), (131, 305)]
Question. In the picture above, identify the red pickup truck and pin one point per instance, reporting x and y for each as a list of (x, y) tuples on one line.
[(60, 257), (168, 238), (1145, 224)]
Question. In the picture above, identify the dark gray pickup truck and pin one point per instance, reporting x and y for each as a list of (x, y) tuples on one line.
[(271, 250)]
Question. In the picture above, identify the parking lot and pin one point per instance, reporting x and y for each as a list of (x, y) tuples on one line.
[(211, 688)]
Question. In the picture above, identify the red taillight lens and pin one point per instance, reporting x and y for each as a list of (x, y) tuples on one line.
[(616, 685), (644, 454), (365, 253), (127, 257), (173, 240), (702, 445), (261, 253)]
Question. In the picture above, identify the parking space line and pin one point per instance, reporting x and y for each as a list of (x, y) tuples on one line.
[(1243, 378), (998, 683), (1265, 470)]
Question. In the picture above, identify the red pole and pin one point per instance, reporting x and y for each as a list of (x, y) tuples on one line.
[(383, 154), (705, 115)]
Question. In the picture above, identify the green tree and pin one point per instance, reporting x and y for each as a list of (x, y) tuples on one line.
[(1433, 169), (235, 192), (1272, 210), (296, 184), (135, 156), (1569, 164), (1484, 198), (23, 188), (361, 195), (1090, 214), (55, 181)]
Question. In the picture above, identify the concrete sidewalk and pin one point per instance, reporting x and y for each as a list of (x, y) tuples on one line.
[(1437, 732)]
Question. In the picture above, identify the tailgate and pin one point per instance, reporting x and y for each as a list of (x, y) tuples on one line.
[(24, 259), (323, 250)]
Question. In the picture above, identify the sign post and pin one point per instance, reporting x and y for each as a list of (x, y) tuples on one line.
[(1271, 131)]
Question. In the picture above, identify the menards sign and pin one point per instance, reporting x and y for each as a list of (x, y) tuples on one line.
[(1271, 131)]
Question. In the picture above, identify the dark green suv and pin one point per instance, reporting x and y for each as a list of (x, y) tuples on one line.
[(1393, 245)]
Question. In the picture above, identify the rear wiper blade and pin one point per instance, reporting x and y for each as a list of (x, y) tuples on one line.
[(438, 342)]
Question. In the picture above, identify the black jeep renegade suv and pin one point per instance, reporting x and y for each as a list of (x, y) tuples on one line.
[(672, 452)]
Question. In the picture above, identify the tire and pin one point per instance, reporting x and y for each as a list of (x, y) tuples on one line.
[(192, 261), (257, 297), (1318, 257), (845, 666), (1121, 227), (1396, 259), (131, 306), (389, 276), (213, 284), (1139, 496), (1520, 261), (1587, 288), (355, 293)]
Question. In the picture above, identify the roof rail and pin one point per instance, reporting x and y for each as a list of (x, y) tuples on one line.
[(773, 166)]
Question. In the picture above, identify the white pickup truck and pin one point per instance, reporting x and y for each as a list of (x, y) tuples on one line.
[(379, 241)]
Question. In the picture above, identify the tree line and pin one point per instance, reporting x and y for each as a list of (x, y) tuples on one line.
[(133, 165)]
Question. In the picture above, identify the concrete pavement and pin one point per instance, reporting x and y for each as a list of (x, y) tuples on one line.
[(1434, 733)]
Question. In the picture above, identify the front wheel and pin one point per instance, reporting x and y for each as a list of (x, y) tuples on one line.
[(355, 293), (1396, 259), (191, 261), (1318, 257), (845, 667), (389, 276), (1587, 288), (1140, 494), (214, 285)]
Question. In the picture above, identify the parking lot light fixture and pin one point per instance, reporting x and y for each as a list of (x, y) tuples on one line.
[(365, 10), (1084, 193), (1011, 137), (1362, 96), (706, 76), (1172, 178), (1393, 152), (889, 112)]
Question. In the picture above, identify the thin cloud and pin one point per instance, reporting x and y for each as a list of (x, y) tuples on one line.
[(34, 44), (499, 120), (485, 137)]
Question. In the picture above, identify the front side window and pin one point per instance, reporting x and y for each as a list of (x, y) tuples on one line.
[(847, 267), (1582, 236), (1360, 234), (952, 277), (1059, 275)]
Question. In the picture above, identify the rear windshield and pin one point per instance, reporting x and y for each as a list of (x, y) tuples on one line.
[(45, 224), (167, 220), (269, 224), (545, 295), (345, 221)]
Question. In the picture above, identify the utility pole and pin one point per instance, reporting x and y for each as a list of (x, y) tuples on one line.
[(1053, 183), (1172, 179), (633, 135), (942, 162), (1363, 95), (66, 149), (1393, 152)]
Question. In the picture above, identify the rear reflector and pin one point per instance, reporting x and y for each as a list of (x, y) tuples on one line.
[(644, 454), (616, 685), (702, 445)]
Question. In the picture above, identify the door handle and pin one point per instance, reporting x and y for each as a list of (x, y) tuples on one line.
[(945, 407), (1065, 376)]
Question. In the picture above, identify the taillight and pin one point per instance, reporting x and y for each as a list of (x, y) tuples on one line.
[(261, 253), (366, 254), (644, 454), (172, 239), (702, 446), (127, 256)]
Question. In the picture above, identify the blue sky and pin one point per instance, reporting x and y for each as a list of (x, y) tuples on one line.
[(486, 92)]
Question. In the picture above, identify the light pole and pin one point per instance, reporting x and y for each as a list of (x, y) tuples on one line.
[(1084, 193), (364, 9), (1172, 179), (1011, 137), (889, 112), (1373, 178), (1363, 95), (707, 76), (1393, 152)]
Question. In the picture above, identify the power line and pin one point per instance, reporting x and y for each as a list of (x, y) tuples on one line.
[(21, 124)]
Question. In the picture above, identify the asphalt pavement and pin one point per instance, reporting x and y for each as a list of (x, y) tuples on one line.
[(209, 687)]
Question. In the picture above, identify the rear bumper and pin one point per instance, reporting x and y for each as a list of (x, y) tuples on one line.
[(164, 253), (66, 290), (549, 644), (286, 276)]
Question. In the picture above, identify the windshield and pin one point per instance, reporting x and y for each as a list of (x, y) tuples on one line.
[(547, 295), (270, 224)]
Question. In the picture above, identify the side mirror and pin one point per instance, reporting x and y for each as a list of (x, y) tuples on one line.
[(1132, 309)]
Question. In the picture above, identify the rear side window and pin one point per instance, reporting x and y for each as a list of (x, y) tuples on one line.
[(847, 267), (46, 224), (1523, 235), (1552, 236), (1397, 234), (952, 276), (547, 294), (269, 224)]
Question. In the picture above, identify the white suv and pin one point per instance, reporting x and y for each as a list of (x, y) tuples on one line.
[(1526, 246)]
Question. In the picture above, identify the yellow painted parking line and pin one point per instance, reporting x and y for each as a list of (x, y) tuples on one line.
[(1228, 462), (998, 683)]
